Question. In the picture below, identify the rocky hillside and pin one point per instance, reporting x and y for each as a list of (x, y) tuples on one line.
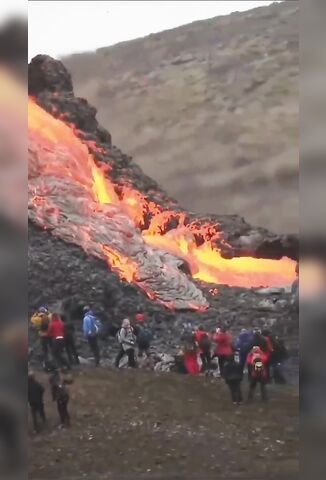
[(209, 110)]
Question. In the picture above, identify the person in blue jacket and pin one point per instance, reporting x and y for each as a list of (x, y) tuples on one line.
[(91, 329), (243, 346)]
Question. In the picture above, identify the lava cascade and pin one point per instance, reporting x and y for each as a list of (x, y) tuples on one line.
[(205, 261)]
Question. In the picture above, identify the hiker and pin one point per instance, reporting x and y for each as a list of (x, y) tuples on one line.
[(190, 355), (54, 381), (203, 344), (257, 369), (60, 395), (40, 322), (143, 335), (91, 330), (243, 345), (279, 355), (224, 347), (233, 375), (57, 333), (35, 400), (127, 340), (70, 344)]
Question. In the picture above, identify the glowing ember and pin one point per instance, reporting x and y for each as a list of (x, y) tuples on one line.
[(167, 230)]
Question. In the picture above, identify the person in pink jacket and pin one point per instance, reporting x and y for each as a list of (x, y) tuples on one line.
[(224, 348)]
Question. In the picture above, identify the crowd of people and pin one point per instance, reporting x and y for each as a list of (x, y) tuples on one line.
[(256, 352)]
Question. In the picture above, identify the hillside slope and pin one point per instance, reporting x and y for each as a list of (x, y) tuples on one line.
[(209, 110)]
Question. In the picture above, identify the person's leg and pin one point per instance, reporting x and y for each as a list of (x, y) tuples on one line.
[(221, 361), (42, 412), (45, 348), (252, 388), (68, 349), (119, 357), (263, 391), (208, 359), (65, 414), (34, 418), (96, 352), (203, 360), (74, 351), (131, 357), (93, 344), (232, 391), (239, 392), (61, 411)]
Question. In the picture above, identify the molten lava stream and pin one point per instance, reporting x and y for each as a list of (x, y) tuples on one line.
[(205, 261)]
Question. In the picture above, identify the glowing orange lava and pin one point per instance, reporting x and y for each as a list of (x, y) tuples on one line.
[(205, 261)]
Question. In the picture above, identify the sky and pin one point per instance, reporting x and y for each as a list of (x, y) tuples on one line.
[(58, 28)]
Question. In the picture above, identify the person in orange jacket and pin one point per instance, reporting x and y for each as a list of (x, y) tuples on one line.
[(203, 343), (224, 347), (257, 361)]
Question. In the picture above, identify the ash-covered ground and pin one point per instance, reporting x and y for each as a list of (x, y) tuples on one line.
[(166, 426)]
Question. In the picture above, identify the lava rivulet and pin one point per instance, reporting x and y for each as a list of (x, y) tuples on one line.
[(64, 157)]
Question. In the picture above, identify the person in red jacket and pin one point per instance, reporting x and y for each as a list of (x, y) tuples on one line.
[(257, 361), (203, 343), (56, 331), (224, 348)]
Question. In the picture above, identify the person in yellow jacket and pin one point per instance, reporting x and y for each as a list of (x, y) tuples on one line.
[(40, 322)]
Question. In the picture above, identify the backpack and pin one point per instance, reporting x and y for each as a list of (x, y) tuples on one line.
[(145, 336), (44, 325), (258, 368)]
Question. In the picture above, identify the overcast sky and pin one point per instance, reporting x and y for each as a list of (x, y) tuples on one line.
[(61, 27)]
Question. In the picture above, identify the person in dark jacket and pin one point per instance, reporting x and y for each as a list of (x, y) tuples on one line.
[(233, 375), (60, 395), (57, 333), (70, 343), (277, 360), (35, 400), (143, 336)]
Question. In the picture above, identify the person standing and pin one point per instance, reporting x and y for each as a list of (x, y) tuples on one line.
[(70, 343), (91, 329), (233, 375), (127, 340), (203, 343), (257, 369), (243, 345), (35, 400), (40, 322), (57, 333), (224, 347), (143, 336)]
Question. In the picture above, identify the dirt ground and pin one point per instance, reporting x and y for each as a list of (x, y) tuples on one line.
[(142, 425)]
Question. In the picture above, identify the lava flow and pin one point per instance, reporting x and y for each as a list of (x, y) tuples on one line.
[(81, 171)]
